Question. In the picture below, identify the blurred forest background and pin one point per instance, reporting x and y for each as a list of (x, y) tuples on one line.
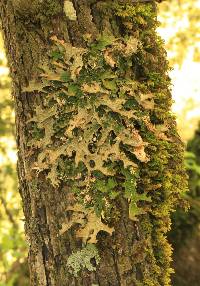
[(180, 28)]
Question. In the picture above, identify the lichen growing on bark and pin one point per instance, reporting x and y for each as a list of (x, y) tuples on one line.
[(99, 136), (105, 129), (82, 259), (69, 10)]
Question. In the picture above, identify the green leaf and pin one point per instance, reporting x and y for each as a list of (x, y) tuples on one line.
[(130, 193), (73, 89), (65, 76), (103, 42), (110, 84), (56, 55), (129, 185), (113, 194), (134, 210), (100, 186), (111, 183)]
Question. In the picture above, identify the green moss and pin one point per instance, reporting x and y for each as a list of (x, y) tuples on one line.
[(37, 10), (138, 12), (52, 8)]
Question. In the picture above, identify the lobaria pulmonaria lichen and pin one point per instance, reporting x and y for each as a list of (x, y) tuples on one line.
[(69, 10), (88, 112), (106, 131)]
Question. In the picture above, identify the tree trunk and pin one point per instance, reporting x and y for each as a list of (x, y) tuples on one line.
[(100, 163), (185, 233)]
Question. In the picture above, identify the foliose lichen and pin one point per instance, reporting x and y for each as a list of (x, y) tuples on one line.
[(69, 10), (106, 131), (82, 259)]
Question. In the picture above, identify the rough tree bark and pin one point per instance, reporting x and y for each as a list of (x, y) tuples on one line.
[(100, 162)]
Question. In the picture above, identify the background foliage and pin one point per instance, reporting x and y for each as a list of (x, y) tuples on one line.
[(180, 29), (13, 270), (185, 233)]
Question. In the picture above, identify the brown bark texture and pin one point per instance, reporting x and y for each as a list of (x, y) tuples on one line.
[(133, 251)]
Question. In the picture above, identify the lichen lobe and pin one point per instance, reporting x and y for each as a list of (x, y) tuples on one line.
[(69, 10)]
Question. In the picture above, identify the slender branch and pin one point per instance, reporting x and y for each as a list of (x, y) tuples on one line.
[(8, 212)]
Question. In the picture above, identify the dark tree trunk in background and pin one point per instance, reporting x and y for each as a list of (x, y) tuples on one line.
[(185, 233), (100, 162)]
